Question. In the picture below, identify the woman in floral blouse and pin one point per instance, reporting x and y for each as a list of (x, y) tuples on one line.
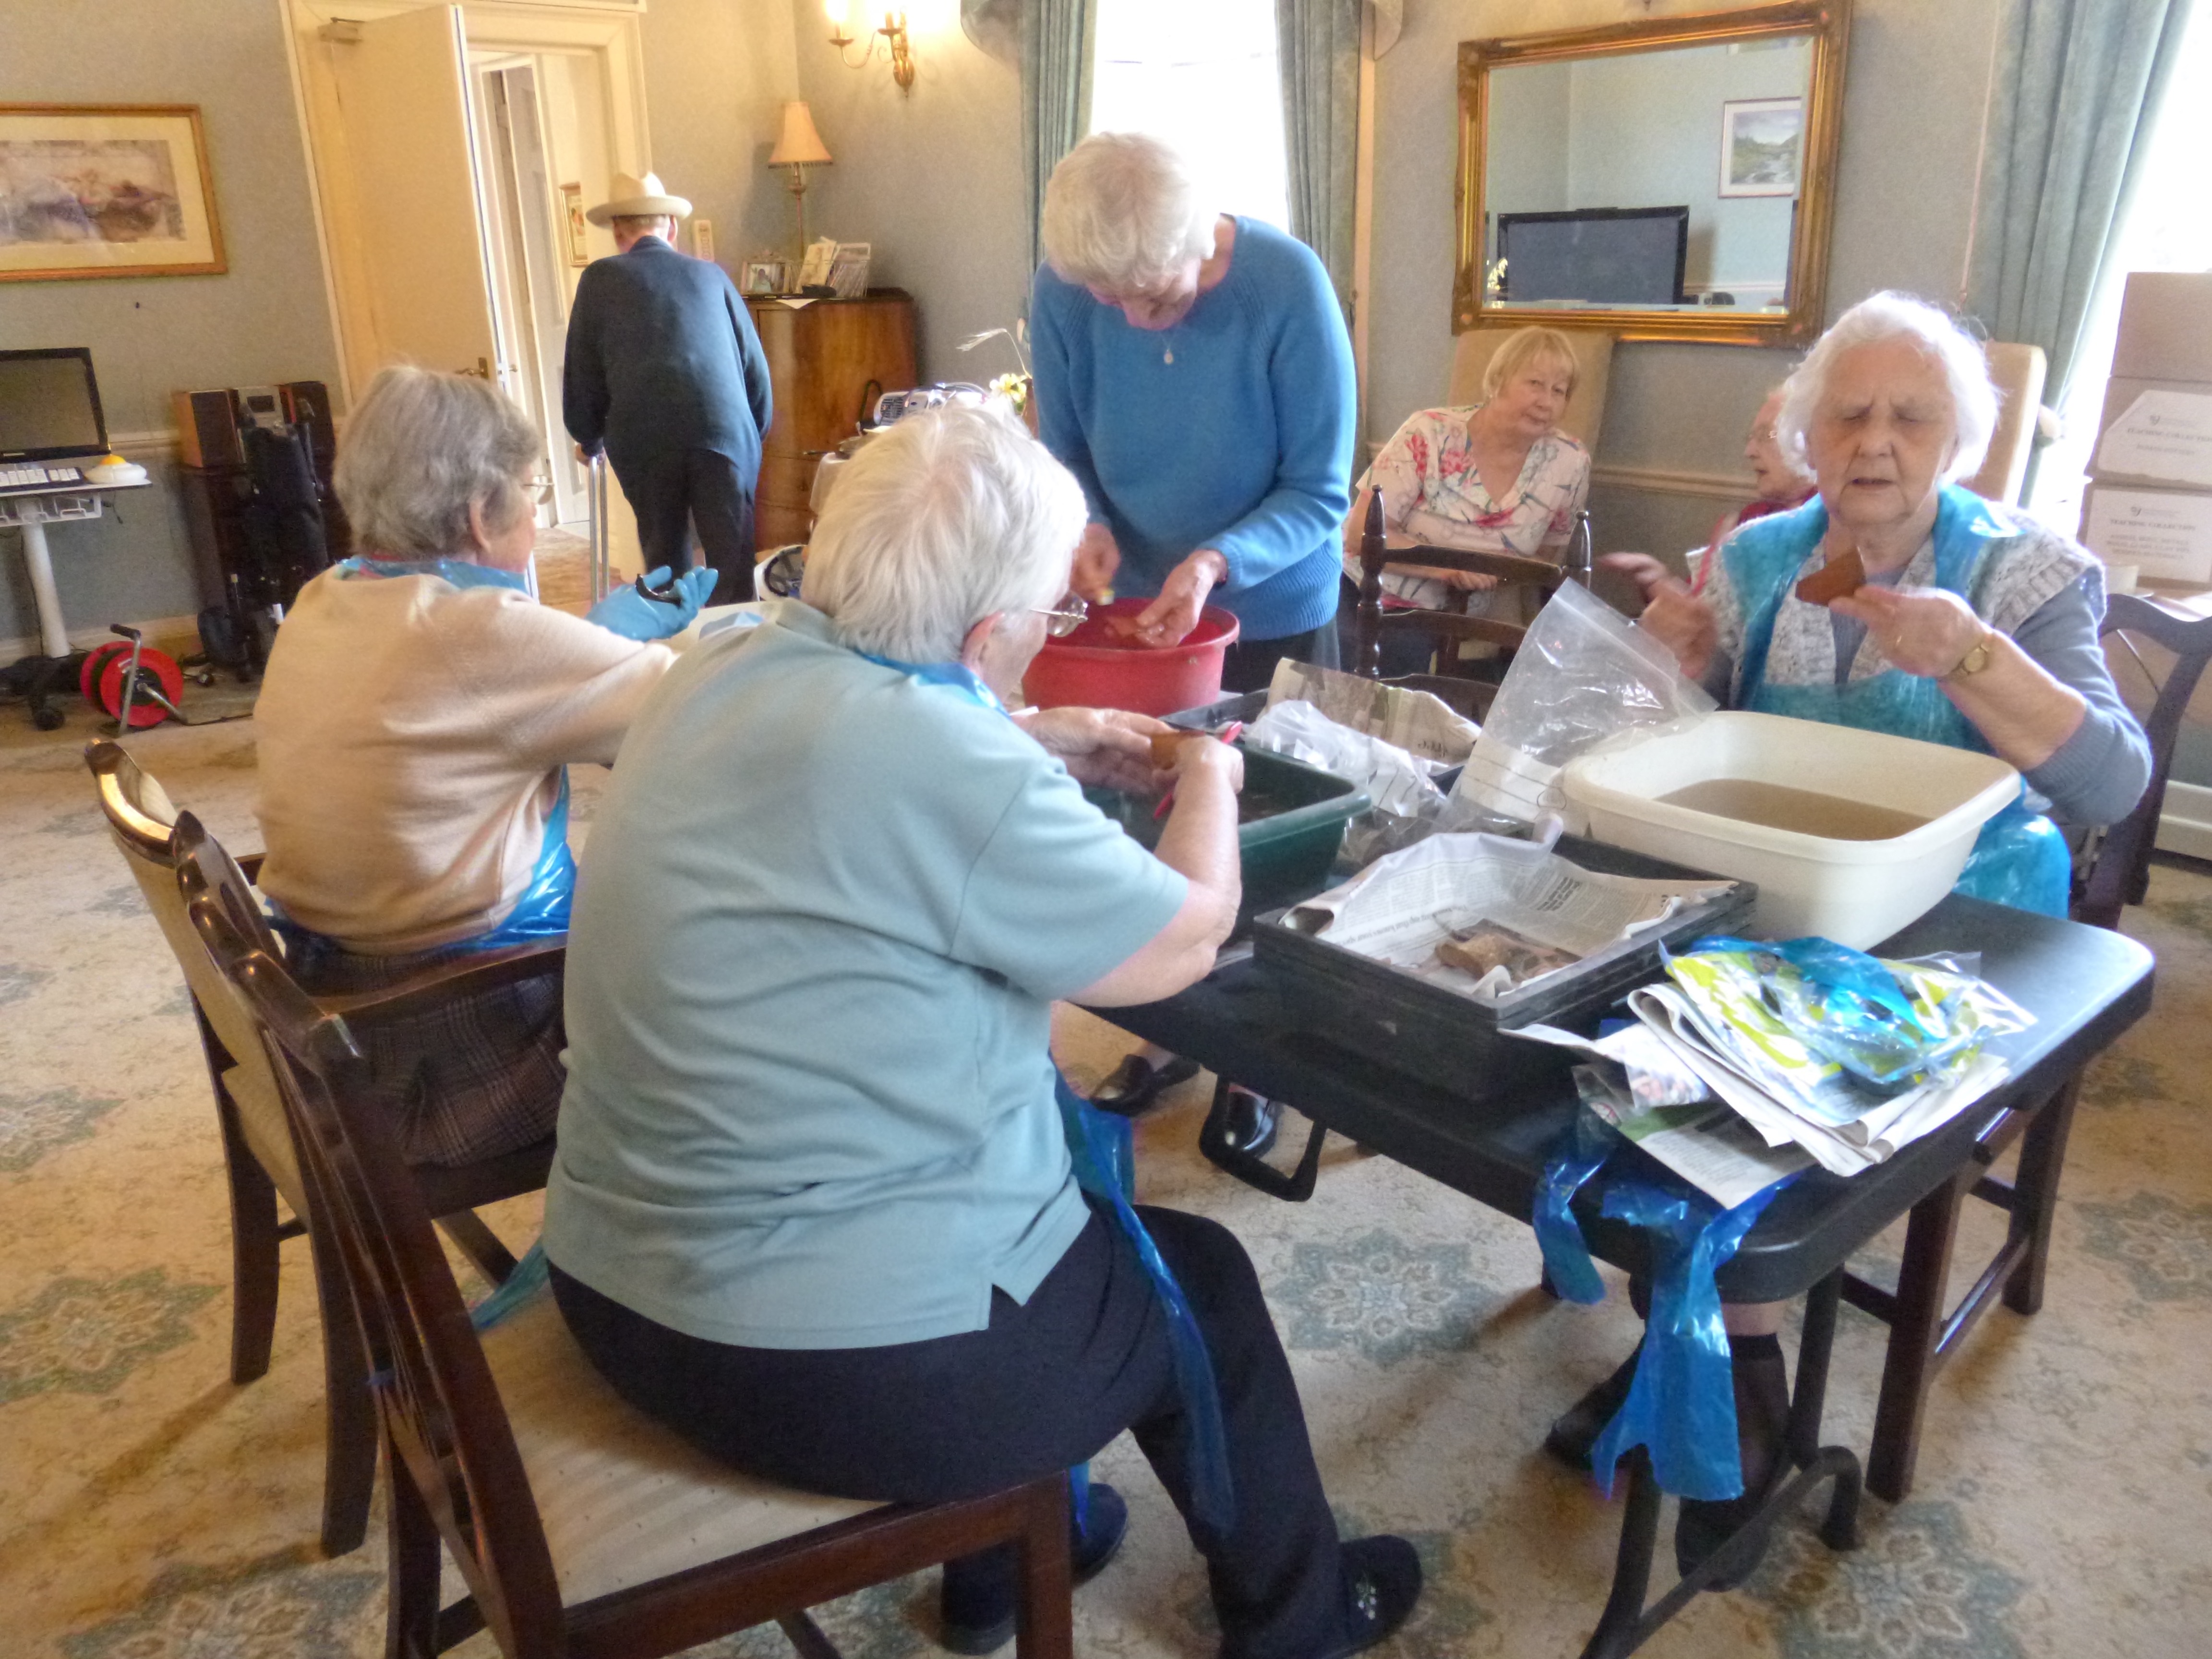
[(1499, 477)]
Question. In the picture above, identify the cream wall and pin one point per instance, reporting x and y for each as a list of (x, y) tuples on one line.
[(931, 177), (717, 73)]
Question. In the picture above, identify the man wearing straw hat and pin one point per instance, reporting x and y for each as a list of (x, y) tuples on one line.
[(666, 372)]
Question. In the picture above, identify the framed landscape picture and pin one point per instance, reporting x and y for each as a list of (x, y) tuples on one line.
[(1762, 146), (106, 190)]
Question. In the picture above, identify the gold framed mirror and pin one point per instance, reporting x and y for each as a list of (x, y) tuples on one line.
[(1668, 179)]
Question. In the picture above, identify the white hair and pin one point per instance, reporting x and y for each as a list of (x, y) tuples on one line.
[(950, 516), (1122, 211), (1893, 316), (421, 448)]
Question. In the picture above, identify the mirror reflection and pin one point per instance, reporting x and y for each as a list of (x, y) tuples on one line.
[(1653, 180)]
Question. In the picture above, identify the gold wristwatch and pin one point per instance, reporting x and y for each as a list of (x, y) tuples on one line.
[(1977, 657)]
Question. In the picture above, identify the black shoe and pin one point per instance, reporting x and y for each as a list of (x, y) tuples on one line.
[(976, 1600), (1382, 1583), (1133, 1086), (1762, 1428), (1249, 1121), (1574, 1431)]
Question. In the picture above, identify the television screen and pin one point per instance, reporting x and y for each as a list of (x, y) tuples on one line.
[(49, 405), (1601, 255)]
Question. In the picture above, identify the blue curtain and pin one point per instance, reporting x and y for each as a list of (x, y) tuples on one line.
[(1318, 41), (2076, 87), (1056, 40)]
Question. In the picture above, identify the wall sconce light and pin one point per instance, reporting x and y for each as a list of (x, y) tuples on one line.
[(892, 32)]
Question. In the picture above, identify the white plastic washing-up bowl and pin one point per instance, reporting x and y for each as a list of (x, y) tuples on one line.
[(1856, 892)]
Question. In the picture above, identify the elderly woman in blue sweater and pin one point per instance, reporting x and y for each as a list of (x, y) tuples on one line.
[(1193, 372)]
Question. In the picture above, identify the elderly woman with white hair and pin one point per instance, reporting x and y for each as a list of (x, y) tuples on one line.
[(1497, 478), (1959, 622), (412, 735), (814, 1206), (1193, 371)]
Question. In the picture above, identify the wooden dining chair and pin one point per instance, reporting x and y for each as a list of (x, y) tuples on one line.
[(582, 1527), (2118, 869), (1926, 1330), (1449, 629), (259, 1162)]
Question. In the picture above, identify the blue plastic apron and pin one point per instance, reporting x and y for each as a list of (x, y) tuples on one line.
[(2020, 858)]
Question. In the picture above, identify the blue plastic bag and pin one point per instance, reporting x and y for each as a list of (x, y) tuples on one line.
[(1681, 1404)]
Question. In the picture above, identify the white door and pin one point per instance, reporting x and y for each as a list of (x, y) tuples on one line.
[(411, 235)]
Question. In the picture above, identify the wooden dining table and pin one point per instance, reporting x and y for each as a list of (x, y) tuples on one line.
[(2084, 986)]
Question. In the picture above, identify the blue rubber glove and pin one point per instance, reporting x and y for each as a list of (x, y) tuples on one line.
[(627, 612)]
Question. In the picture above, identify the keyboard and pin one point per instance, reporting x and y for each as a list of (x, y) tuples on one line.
[(33, 477)]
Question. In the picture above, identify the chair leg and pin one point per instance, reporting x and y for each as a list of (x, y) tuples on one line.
[(2035, 1195), (806, 1637), (1044, 1621), (479, 1244), (253, 1240), (411, 1628), (350, 1427), (1916, 1326)]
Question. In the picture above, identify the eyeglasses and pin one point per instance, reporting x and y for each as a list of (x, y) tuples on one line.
[(1063, 620)]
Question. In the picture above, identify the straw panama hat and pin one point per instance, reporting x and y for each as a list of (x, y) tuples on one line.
[(637, 198)]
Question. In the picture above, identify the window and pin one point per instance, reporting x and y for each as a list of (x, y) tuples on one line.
[(1202, 75), (2167, 229)]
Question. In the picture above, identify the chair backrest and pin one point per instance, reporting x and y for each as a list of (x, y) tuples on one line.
[(2018, 372), (444, 1425), (1370, 621), (2119, 872), (1584, 421), (143, 825)]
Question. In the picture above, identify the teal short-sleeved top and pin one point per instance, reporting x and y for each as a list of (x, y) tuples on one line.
[(822, 916)]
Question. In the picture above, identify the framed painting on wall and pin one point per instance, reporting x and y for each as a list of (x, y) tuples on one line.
[(1762, 146), (106, 190), (572, 215)]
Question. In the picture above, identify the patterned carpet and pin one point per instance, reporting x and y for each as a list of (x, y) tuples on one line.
[(153, 1512)]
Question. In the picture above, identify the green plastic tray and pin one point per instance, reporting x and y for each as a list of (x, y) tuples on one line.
[(1300, 813)]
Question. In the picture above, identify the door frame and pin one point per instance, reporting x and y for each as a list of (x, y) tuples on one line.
[(610, 35)]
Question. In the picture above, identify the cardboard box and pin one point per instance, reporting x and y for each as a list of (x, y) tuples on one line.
[(2164, 535), (2182, 459), (2166, 327)]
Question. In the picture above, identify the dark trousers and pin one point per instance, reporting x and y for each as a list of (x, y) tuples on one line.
[(1045, 1387), (672, 493), (1249, 665)]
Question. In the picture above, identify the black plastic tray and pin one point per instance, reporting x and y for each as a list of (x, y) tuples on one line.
[(1452, 1041)]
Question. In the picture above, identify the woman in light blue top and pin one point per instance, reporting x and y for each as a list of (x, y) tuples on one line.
[(1193, 372), (814, 1204)]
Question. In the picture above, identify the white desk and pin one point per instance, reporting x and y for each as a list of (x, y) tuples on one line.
[(31, 511)]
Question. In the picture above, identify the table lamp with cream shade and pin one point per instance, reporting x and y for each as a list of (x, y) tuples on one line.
[(799, 147)]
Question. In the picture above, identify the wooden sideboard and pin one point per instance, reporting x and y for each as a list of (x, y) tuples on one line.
[(827, 360)]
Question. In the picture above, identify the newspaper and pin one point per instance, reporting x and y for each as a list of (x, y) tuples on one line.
[(1418, 721), (1483, 915), (1703, 1142)]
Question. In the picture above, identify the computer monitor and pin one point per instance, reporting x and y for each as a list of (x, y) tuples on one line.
[(1599, 256), (50, 405)]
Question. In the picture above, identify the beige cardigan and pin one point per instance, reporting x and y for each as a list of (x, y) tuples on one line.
[(411, 737)]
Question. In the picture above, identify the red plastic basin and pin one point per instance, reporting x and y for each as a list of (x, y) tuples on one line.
[(1086, 670)]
